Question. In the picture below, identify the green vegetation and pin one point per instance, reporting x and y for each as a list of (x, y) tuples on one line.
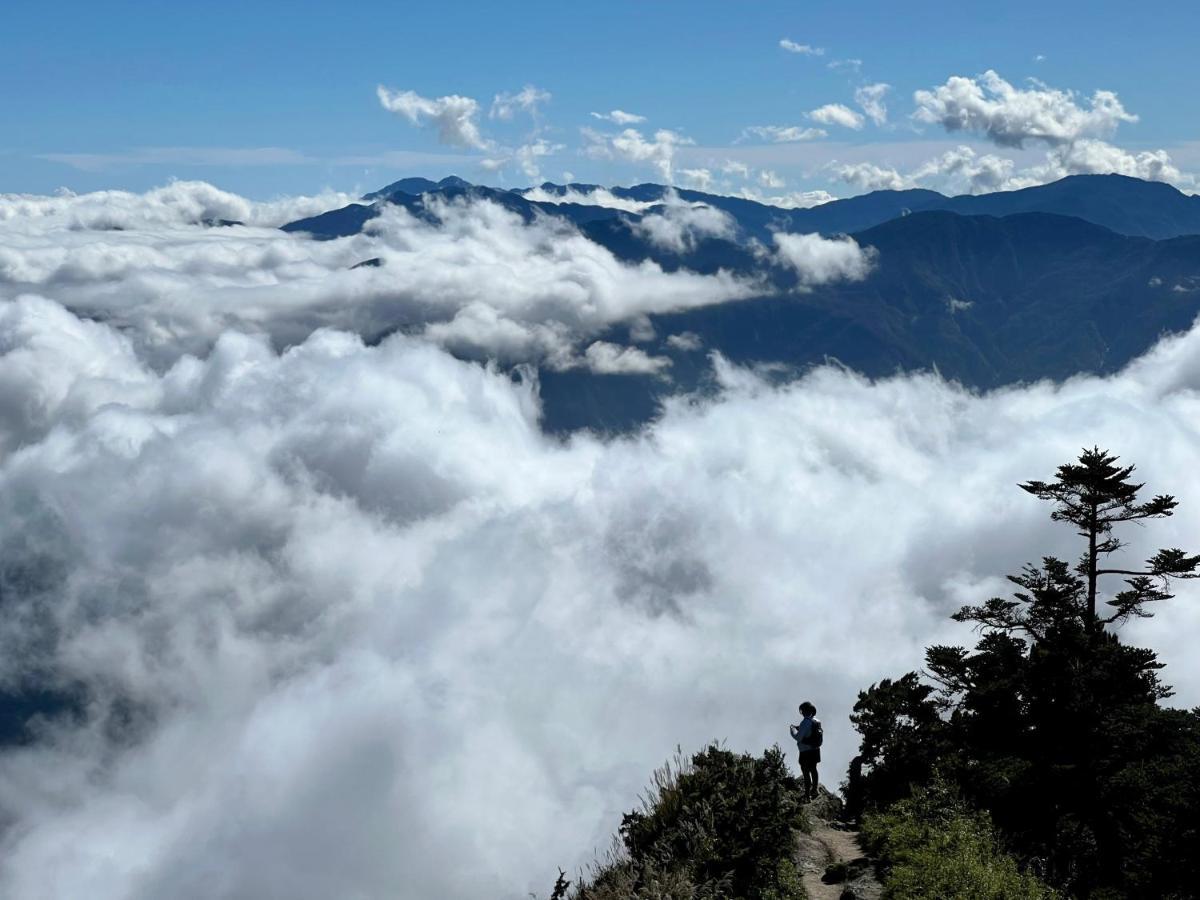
[(1037, 764), (933, 845), (1050, 724), (720, 825)]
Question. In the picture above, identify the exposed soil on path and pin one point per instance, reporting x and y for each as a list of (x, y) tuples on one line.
[(831, 862)]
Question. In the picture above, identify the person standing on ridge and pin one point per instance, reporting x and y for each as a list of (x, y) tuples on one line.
[(808, 737)]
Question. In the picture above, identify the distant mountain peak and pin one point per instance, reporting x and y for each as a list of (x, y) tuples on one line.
[(416, 186)]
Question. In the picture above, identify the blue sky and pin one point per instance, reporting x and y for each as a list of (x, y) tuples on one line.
[(270, 97)]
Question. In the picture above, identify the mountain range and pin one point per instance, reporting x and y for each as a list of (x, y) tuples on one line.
[(1076, 276)]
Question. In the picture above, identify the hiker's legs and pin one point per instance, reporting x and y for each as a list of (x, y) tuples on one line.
[(808, 768)]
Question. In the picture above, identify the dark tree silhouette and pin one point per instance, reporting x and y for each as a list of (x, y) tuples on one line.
[(1051, 723), (1094, 494)]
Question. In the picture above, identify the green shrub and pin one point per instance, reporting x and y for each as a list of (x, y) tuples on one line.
[(934, 846), (717, 825)]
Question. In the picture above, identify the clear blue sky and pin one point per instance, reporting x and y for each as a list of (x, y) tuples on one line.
[(186, 89)]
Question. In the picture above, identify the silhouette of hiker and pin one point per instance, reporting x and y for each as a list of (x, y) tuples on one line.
[(808, 737)]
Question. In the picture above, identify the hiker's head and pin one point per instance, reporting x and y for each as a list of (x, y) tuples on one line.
[(807, 709)]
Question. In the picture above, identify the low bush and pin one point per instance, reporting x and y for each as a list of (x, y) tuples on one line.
[(720, 825), (934, 846)]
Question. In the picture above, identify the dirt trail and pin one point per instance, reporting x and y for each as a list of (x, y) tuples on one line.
[(830, 859)]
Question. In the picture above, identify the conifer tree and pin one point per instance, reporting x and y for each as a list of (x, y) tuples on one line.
[(1094, 494), (1051, 721)]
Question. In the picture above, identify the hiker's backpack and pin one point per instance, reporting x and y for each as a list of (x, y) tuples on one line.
[(816, 736)]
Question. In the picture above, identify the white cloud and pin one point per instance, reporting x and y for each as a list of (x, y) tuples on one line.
[(769, 179), (705, 180), (1010, 116), (784, 134), (394, 575), (698, 179), (678, 225), (963, 170), (846, 65), (837, 114), (632, 145), (820, 260), (791, 200), (619, 117), (181, 203), (870, 98), (687, 341), (605, 358), (958, 171), (476, 277), (526, 100), (735, 167), (304, 587), (454, 116), (183, 156), (868, 176), (803, 49), (527, 156), (1090, 157), (595, 197)]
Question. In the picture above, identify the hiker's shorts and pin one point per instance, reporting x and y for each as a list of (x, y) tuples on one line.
[(810, 758)]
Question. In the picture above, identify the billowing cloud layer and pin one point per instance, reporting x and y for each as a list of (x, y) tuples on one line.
[(1010, 116), (181, 203), (958, 171), (350, 625), (592, 197), (963, 170), (478, 280)]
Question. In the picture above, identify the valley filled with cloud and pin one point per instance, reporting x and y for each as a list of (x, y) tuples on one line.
[(316, 607)]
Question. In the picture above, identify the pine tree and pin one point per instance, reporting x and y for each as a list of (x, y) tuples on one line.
[(1050, 720), (1094, 494)]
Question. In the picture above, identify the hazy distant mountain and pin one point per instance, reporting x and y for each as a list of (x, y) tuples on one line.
[(1122, 204), (351, 219), (416, 186), (1077, 276), (987, 301)]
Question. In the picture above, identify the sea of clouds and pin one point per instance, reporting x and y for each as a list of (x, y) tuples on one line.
[(346, 622)]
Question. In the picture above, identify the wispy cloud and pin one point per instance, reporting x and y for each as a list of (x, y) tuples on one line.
[(249, 157), (783, 134), (455, 116), (619, 117), (803, 49), (188, 156)]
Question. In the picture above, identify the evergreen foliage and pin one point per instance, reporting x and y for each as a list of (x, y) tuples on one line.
[(1050, 723), (933, 846), (717, 825)]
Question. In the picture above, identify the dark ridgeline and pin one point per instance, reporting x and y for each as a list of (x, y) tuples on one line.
[(1079, 276), (1051, 724)]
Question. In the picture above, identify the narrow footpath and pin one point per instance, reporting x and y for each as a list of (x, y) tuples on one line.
[(829, 857)]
